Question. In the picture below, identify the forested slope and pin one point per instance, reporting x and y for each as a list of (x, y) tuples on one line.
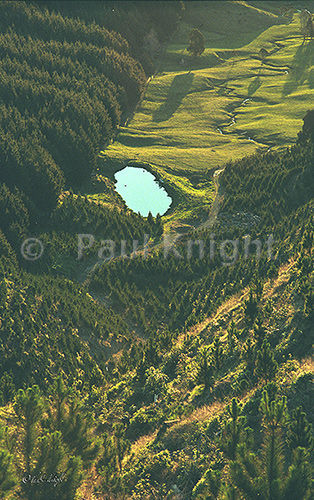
[(158, 420), (65, 86), (145, 25)]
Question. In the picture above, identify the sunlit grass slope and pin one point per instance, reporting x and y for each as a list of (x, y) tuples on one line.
[(199, 113)]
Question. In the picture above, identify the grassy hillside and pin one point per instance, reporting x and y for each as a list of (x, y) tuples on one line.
[(198, 113)]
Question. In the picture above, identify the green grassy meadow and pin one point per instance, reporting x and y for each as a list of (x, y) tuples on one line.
[(199, 113)]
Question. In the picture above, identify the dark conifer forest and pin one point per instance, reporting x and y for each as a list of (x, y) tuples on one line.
[(150, 374)]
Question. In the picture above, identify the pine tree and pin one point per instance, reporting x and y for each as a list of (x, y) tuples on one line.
[(229, 493), (29, 406), (233, 429), (62, 473), (217, 354), (205, 370), (299, 478), (259, 331), (208, 486), (249, 355), (150, 219), (8, 477), (300, 431), (262, 477), (48, 456), (77, 431), (7, 388), (258, 288), (141, 372), (108, 458), (60, 394), (266, 366), (69, 486), (251, 307), (231, 335), (274, 417), (245, 474), (121, 444), (51, 453)]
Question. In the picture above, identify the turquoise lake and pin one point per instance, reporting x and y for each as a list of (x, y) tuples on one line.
[(141, 191)]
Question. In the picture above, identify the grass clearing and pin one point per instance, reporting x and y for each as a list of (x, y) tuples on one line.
[(198, 114)]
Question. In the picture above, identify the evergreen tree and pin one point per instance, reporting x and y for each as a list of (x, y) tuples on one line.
[(8, 478), (308, 127), (7, 388), (121, 444), (208, 486), (231, 336), (29, 405), (69, 486), (229, 493), (259, 331), (249, 355), (299, 477), (300, 432), (258, 287), (217, 354), (266, 366), (77, 431), (205, 370), (262, 477), (251, 307), (51, 453), (274, 417), (150, 218), (63, 473), (233, 429), (245, 474), (60, 394)]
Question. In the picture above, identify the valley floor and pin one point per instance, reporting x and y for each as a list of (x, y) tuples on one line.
[(199, 113)]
